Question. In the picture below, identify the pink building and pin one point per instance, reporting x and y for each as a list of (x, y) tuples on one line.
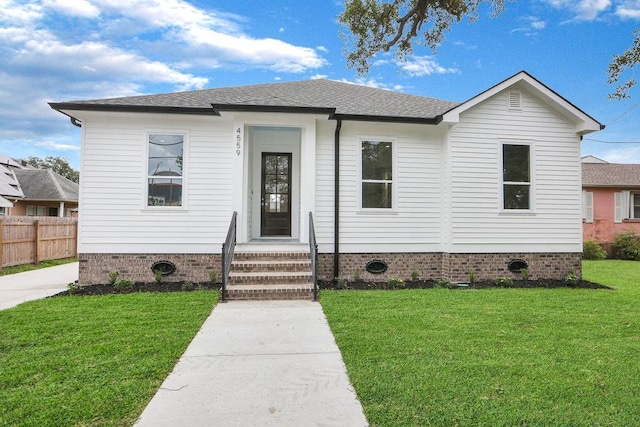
[(611, 199)]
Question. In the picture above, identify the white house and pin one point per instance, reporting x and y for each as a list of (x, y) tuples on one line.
[(443, 188)]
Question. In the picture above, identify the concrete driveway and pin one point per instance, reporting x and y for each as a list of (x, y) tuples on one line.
[(31, 285)]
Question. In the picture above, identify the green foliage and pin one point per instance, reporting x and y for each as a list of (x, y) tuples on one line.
[(123, 285), (356, 276), (71, 361), (503, 282), (593, 251), (73, 288), (189, 286), (443, 283), (113, 277), (472, 277), (341, 284), (158, 276), (213, 276), (415, 275), (525, 273), (377, 26), (30, 267), (622, 63), (396, 283), (627, 245), (572, 279), (59, 165)]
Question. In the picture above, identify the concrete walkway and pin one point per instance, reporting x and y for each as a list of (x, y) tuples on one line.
[(259, 363), (30, 285)]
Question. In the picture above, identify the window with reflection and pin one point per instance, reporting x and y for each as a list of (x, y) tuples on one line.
[(516, 176), (165, 169), (377, 175)]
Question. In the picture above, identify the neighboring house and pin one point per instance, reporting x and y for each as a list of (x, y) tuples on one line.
[(10, 190), (443, 188), (46, 193), (611, 200)]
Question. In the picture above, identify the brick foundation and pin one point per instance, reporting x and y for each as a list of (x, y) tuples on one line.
[(453, 267), (95, 268)]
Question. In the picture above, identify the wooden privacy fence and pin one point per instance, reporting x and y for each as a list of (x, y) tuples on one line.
[(32, 239)]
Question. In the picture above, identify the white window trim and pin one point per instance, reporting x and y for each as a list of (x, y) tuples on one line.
[(532, 177), (185, 167), (631, 196), (394, 180)]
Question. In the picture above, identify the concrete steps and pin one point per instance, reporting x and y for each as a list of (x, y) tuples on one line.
[(270, 275)]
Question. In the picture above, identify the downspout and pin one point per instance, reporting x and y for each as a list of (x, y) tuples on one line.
[(76, 122), (336, 190)]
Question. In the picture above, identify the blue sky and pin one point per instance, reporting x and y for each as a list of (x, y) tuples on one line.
[(62, 50)]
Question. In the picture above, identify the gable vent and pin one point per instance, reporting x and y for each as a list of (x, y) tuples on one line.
[(514, 100)]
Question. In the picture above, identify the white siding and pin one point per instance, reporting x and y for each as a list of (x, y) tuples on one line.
[(478, 223), (415, 223), (114, 217)]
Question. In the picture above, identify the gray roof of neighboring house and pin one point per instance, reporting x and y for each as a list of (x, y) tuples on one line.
[(610, 175), (45, 184), (340, 100)]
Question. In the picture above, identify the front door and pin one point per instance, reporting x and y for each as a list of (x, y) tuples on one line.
[(276, 194)]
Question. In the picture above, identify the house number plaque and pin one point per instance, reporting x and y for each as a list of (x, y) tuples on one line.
[(239, 138)]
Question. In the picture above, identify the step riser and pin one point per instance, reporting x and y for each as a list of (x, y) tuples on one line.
[(271, 281), (270, 268), (261, 294), (270, 256)]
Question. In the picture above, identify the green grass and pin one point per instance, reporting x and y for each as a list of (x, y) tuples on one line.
[(92, 360), (28, 267), (500, 357)]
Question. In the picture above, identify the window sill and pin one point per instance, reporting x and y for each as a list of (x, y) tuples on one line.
[(165, 210), (632, 220), (376, 212)]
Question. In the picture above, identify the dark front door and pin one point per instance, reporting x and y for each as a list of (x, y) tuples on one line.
[(276, 194)]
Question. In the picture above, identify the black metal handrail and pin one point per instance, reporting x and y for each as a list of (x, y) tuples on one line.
[(228, 247), (313, 246)]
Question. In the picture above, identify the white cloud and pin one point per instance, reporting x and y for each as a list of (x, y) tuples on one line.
[(318, 77), (628, 10), (56, 146), (419, 66), (583, 10), (531, 25), (80, 8)]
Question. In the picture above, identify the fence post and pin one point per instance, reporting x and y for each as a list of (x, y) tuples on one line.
[(36, 224)]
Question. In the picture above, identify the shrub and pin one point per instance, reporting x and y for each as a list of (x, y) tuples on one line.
[(113, 277), (525, 273), (504, 282), (123, 285), (188, 286), (341, 284), (414, 275), (356, 276), (593, 250), (395, 283), (627, 245), (572, 279), (443, 283), (158, 276), (73, 287), (213, 276), (472, 277)]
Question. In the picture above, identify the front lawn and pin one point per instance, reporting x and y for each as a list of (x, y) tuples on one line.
[(499, 357), (92, 360)]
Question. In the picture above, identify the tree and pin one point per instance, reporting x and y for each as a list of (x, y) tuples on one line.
[(621, 63), (58, 164), (377, 26)]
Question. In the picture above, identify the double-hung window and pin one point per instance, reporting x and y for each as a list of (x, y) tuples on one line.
[(165, 169), (377, 175), (516, 176)]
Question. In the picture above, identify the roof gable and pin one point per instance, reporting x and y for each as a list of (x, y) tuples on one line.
[(583, 122)]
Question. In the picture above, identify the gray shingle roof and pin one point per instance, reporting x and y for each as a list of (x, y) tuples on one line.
[(610, 175), (45, 184), (345, 98)]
